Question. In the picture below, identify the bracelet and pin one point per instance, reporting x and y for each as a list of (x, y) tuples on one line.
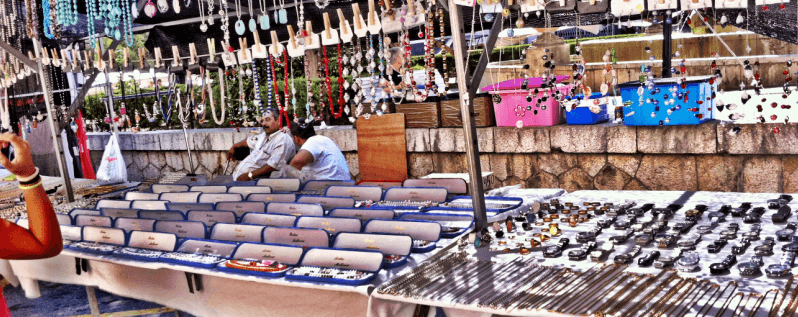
[(29, 178), (31, 186), (31, 182)]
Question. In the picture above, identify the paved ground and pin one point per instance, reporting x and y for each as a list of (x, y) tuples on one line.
[(62, 300)]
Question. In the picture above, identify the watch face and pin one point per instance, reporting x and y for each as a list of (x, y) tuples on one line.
[(688, 260), (792, 247), (553, 249), (577, 254), (716, 214), (748, 266), (785, 232)]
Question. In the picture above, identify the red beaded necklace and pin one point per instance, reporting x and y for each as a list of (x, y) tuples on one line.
[(327, 80), (341, 100)]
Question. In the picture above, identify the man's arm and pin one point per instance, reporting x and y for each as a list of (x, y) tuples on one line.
[(264, 171), (302, 158), (231, 152)]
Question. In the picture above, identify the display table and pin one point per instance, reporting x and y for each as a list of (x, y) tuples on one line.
[(752, 288)]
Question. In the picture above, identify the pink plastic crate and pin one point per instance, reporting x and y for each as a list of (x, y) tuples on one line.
[(513, 107)]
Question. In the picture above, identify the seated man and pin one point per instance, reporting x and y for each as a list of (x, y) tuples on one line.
[(320, 156), (270, 151)]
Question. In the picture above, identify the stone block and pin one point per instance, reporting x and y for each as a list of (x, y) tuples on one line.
[(127, 156), (484, 162), (626, 163), (592, 163), (611, 178), (354, 166), (719, 172), (419, 164), (418, 140), (134, 174), (346, 139), (524, 140), (557, 163), (758, 139), (762, 174), (681, 139), (171, 140), (175, 160), (512, 181), (142, 141), (97, 141), (668, 172), (790, 175), (449, 163), (157, 158), (524, 165), (447, 140), (96, 157), (210, 141), (575, 179), (543, 180), (150, 172), (141, 159), (501, 166), (484, 140), (210, 160), (635, 185), (600, 138)]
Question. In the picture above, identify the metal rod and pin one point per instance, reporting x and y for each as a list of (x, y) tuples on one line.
[(73, 108), (54, 130), (467, 110), (19, 55), (667, 31)]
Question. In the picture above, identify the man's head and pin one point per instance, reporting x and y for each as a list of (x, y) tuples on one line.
[(302, 132), (397, 56), (270, 120)]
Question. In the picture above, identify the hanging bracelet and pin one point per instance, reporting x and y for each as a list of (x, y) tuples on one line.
[(31, 186), (31, 182), (29, 178)]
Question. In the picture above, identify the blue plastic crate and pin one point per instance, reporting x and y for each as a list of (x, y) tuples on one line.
[(583, 115), (697, 89)]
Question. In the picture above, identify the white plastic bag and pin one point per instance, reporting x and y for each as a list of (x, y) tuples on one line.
[(112, 166)]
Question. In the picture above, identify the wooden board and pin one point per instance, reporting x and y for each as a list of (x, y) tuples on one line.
[(421, 114), (452, 117), (382, 148)]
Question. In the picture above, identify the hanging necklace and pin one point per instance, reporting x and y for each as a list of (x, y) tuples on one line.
[(269, 87), (253, 26), (349, 59), (210, 11), (5, 114), (188, 3), (67, 12), (150, 117), (284, 109), (264, 17), (163, 6), (340, 81), (323, 4), (257, 102), (293, 89), (308, 92), (445, 69), (327, 80), (222, 100), (374, 79), (49, 25), (274, 83), (32, 19), (281, 16), (225, 21), (243, 109), (168, 114), (240, 28), (203, 27)]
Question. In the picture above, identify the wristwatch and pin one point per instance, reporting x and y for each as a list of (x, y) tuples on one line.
[(586, 236), (664, 240), (627, 257), (764, 250), (737, 212), (622, 224), (704, 229), (643, 239), (782, 214), (728, 234), (749, 268), (723, 267), (665, 261), (776, 203), (716, 216), (648, 259), (752, 235), (717, 245), (790, 247), (606, 223), (688, 262), (786, 233), (619, 239), (740, 249), (250, 175), (783, 268), (605, 249), (683, 226), (581, 254), (689, 242), (555, 250)]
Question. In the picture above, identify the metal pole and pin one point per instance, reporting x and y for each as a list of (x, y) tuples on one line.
[(667, 30), (53, 127), (467, 111), (94, 306)]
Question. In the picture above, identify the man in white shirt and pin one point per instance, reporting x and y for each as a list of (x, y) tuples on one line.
[(270, 151), (319, 155)]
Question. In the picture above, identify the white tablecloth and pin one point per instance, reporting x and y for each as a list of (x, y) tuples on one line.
[(387, 305)]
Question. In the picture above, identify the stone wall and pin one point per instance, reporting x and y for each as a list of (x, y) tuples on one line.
[(606, 156)]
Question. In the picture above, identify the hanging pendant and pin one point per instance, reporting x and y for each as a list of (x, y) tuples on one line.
[(240, 28), (264, 22), (176, 6), (283, 16), (253, 26), (204, 27), (117, 34), (134, 11), (276, 16), (163, 6)]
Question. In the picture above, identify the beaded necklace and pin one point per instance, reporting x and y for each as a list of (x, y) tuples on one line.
[(327, 80), (257, 101), (48, 28), (199, 108), (242, 109), (308, 92), (67, 12), (293, 89), (269, 87), (210, 11), (225, 22), (381, 67), (347, 59), (276, 88), (32, 19), (445, 69), (127, 26), (284, 110), (222, 100), (374, 79), (150, 117)]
